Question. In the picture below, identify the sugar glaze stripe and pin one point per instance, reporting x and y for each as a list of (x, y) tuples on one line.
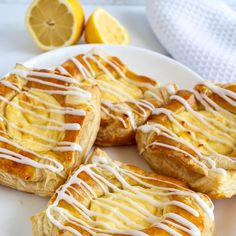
[(62, 146), (95, 170), (84, 66), (212, 157)]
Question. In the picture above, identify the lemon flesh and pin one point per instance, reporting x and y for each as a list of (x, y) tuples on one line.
[(104, 28), (55, 23)]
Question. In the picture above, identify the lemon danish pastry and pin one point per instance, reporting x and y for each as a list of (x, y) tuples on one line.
[(105, 197), (48, 123), (193, 138), (127, 98)]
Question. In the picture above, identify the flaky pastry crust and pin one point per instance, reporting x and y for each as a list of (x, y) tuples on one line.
[(112, 198), (127, 98), (48, 124), (193, 138)]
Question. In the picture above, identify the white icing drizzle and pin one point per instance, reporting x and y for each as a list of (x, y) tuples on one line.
[(188, 227), (66, 146), (111, 109), (91, 71), (118, 70), (60, 92), (203, 98), (57, 109), (168, 229), (226, 94), (64, 110), (82, 69), (62, 70), (43, 161), (27, 74), (209, 159), (153, 95), (69, 89), (10, 85), (29, 111), (204, 121), (120, 108), (141, 104), (67, 126), (54, 165), (171, 89), (143, 191), (115, 117)]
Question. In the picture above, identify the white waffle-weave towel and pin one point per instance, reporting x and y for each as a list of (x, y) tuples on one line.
[(199, 33)]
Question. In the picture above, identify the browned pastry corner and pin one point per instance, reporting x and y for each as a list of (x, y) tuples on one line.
[(48, 124), (105, 197), (193, 138), (127, 98)]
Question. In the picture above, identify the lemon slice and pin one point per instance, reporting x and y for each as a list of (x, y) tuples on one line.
[(55, 23), (104, 28)]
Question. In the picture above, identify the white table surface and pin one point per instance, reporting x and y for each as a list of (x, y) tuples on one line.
[(16, 45)]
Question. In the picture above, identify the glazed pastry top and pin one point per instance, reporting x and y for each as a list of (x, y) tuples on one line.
[(41, 116), (123, 91), (106, 197), (203, 122)]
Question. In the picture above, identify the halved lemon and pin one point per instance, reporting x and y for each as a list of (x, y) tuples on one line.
[(104, 28), (55, 23)]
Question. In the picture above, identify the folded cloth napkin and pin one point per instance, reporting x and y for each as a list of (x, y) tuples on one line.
[(199, 33)]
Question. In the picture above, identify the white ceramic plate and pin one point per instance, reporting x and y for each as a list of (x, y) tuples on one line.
[(16, 208)]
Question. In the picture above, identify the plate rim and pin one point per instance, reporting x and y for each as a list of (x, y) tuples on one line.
[(30, 62)]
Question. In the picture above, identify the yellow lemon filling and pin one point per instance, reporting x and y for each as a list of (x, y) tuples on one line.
[(32, 124), (118, 90), (213, 134), (116, 211)]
